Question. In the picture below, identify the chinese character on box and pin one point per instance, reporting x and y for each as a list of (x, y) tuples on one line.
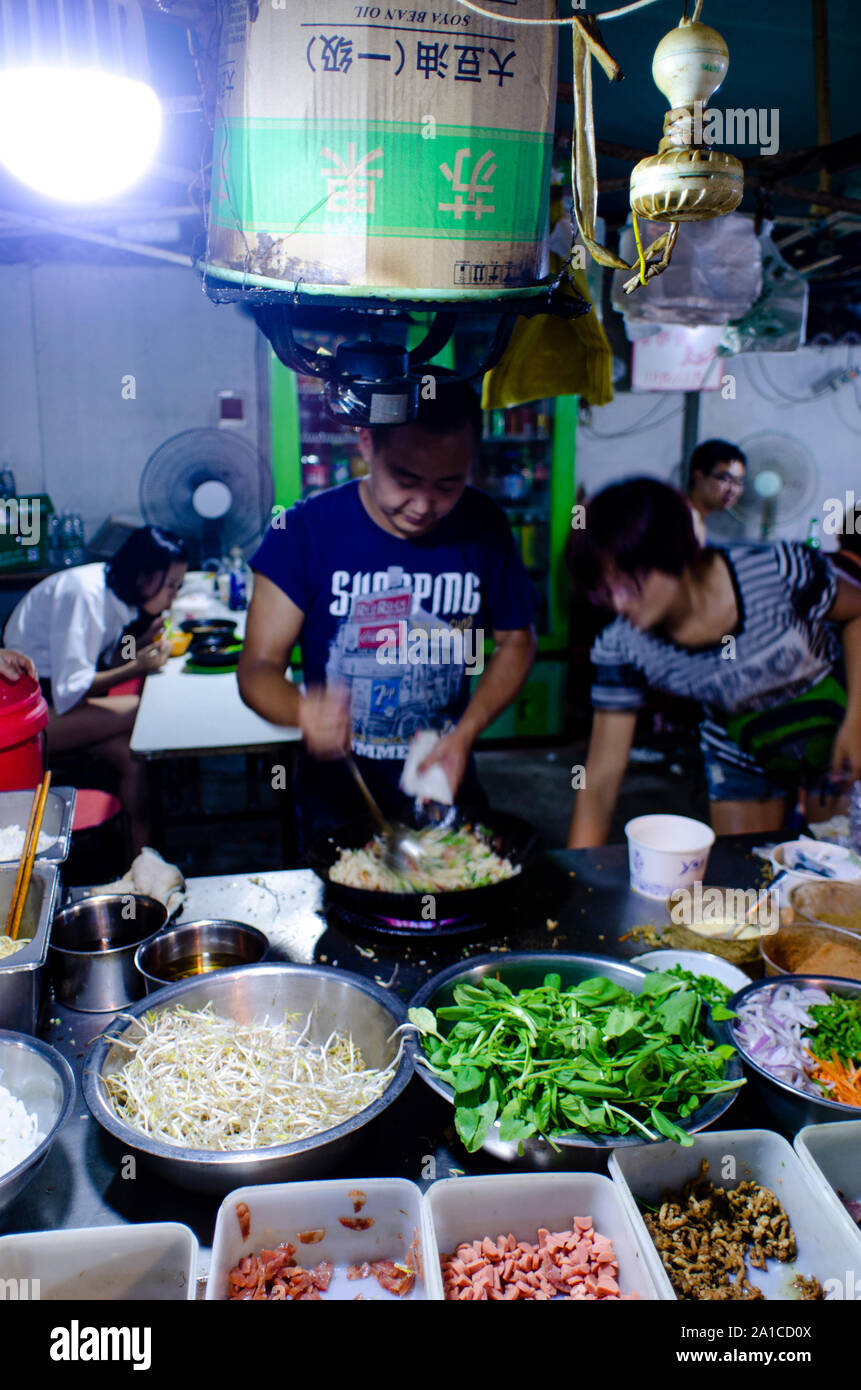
[(350, 181), (479, 184)]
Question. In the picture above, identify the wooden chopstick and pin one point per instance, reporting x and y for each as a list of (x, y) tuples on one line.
[(28, 857), (20, 874)]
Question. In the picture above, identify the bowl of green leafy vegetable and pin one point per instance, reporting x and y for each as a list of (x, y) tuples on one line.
[(554, 1058)]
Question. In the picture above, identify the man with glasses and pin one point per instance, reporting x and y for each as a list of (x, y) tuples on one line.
[(715, 481)]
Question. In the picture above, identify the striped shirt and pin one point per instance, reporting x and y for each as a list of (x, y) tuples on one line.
[(782, 645)]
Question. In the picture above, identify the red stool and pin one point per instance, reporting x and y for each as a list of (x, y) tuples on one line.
[(132, 687), (94, 808), (100, 842)]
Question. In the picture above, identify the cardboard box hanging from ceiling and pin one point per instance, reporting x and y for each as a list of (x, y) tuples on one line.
[(380, 147)]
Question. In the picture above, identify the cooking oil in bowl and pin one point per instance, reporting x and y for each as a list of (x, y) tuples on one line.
[(200, 964)]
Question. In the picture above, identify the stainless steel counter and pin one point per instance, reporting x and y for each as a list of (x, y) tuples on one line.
[(579, 900)]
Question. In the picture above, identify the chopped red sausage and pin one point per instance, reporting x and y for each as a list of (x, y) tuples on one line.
[(244, 1216), (358, 1199), (579, 1263), (312, 1237), (357, 1223)]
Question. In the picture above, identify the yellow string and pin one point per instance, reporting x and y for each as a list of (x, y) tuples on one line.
[(641, 260)]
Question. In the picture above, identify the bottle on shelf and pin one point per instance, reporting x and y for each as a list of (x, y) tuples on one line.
[(71, 538), (527, 468), (340, 470), (239, 582), (221, 582), (315, 474), (55, 542), (812, 539), (515, 484), (529, 541)]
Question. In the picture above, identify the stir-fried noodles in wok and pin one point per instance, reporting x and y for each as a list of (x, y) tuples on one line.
[(454, 858)]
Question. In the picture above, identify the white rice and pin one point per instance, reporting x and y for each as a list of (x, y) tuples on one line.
[(12, 842), (19, 1131)]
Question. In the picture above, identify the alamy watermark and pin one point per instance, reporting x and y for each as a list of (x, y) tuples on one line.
[(737, 126), (21, 516), (841, 516), (20, 1290), (412, 644)]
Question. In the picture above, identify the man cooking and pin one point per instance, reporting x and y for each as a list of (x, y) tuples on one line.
[(390, 583)]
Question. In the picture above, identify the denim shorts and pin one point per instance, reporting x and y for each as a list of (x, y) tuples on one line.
[(727, 782)]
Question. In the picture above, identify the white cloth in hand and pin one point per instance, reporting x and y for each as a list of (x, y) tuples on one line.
[(432, 785)]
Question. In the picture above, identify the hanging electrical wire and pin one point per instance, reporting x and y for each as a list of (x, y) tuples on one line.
[(854, 429), (646, 422), (792, 398), (571, 19)]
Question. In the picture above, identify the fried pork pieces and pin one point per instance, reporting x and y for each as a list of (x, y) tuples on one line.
[(704, 1234), (274, 1276)]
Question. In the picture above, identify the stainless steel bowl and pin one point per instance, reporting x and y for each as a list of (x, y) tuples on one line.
[(523, 970), (196, 948), (788, 1106), (335, 999), (40, 1077), (92, 950)]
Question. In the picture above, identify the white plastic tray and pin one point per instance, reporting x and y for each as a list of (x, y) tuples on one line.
[(459, 1209), (156, 1261), (832, 1154), (826, 1249), (280, 1211)]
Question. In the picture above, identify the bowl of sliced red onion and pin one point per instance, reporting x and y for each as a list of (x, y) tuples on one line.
[(791, 1032)]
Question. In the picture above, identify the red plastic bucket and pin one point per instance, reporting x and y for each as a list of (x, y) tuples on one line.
[(23, 716)]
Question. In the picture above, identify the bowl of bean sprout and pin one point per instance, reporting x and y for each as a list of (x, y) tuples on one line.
[(263, 1073)]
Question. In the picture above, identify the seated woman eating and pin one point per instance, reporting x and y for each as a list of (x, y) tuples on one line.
[(746, 630), (71, 625)]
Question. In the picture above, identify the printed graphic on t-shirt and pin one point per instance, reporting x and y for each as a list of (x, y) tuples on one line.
[(405, 666)]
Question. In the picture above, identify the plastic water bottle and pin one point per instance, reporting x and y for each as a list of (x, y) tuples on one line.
[(221, 583), (855, 817), (238, 600), (55, 542)]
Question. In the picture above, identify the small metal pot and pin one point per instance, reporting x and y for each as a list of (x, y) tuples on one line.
[(92, 950), (198, 948)]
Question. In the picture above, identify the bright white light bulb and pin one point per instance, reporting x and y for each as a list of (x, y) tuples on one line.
[(78, 135)]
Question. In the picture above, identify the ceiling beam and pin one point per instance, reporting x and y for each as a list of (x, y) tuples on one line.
[(840, 157)]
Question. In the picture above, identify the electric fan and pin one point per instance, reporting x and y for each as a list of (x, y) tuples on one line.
[(781, 482), (213, 489)]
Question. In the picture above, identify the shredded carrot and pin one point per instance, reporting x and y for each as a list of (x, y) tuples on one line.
[(844, 1079)]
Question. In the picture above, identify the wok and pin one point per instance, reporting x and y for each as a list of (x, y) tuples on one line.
[(511, 837)]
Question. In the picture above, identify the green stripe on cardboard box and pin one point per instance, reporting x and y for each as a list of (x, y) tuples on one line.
[(380, 179)]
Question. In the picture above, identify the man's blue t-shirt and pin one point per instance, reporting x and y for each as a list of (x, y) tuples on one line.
[(400, 622)]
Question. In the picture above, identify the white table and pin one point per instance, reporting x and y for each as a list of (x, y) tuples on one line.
[(191, 716), (184, 715)]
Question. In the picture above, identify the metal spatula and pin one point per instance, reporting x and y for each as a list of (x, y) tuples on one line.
[(402, 853)]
